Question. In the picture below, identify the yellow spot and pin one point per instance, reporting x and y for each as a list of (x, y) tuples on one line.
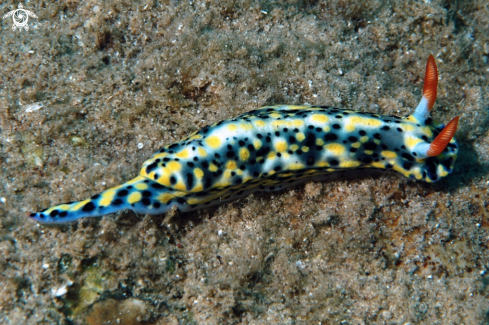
[(165, 197), (275, 115), (363, 139), (285, 155), (141, 186), (349, 127), (80, 204), (281, 146), (305, 149), (322, 164), (198, 173), (300, 136), (298, 123), (174, 166), (246, 126), (320, 118), (295, 166), (231, 165), (389, 154), (354, 121), (232, 127), (336, 148), (319, 142), (194, 200), (180, 186), (294, 147), (271, 155), (326, 129), (194, 137), (244, 154), (417, 174), (377, 142), (202, 152), (260, 123), (107, 197), (377, 164), (408, 127), (368, 152), (213, 142), (182, 154), (212, 167), (134, 197), (257, 144), (356, 145), (349, 164), (411, 142)]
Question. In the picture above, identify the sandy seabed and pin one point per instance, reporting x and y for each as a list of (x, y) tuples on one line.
[(93, 88)]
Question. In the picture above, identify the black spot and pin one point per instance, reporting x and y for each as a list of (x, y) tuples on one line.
[(384, 147), (53, 213), (336, 126), (362, 133), (334, 162), (122, 193), (190, 164), (353, 149), (268, 139), (425, 138), (156, 205), (339, 116), (277, 133), (205, 164), (151, 166), (117, 202), (259, 136), (310, 127), (310, 139), (330, 137), (407, 156), (310, 161), (88, 207), (157, 186), (62, 214), (181, 201), (279, 154), (370, 146), (385, 128), (377, 136), (238, 181), (146, 201), (366, 160), (208, 182), (277, 168), (242, 167), (399, 130), (96, 196), (146, 193), (256, 174), (230, 154), (407, 165), (32, 215), (388, 166), (292, 139), (353, 139), (299, 152), (173, 180)]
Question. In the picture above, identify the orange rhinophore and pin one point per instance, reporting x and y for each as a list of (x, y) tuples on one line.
[(441, 141)]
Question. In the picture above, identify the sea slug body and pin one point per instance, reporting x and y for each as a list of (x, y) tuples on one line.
[(272, 147)]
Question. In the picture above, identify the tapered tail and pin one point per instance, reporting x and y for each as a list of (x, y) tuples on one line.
[(140, 194)]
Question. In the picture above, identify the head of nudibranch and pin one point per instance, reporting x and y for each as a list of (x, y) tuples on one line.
[(431, 150)]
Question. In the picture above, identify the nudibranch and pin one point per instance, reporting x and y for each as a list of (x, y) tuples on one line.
[(272, 147)]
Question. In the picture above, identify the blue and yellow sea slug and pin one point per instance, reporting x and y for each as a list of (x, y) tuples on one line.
[(272, 147)]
